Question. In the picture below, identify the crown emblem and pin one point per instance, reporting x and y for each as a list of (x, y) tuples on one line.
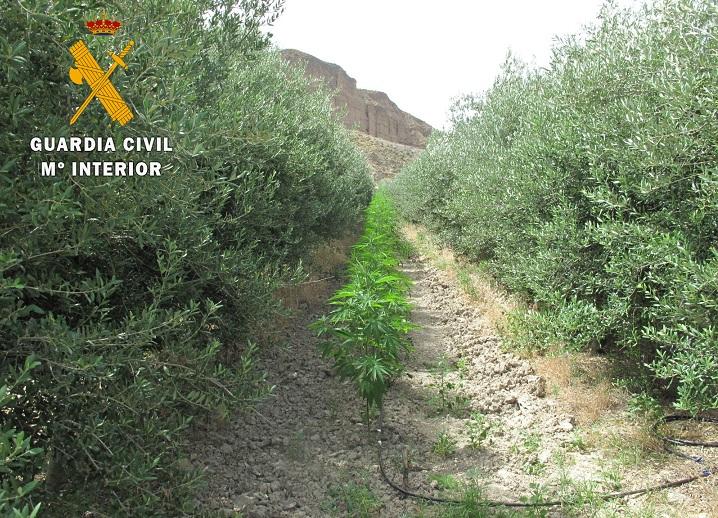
[(103, 26)]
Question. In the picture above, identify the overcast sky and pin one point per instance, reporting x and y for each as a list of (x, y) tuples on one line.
[(424, 53)]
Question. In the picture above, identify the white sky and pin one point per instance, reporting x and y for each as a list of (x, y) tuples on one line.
[(424, 53)]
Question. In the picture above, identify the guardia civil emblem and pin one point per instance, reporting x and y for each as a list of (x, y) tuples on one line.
[(87, 70)]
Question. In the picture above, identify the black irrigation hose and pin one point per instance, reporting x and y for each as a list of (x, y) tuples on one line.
[(685, 442), (603, 496)]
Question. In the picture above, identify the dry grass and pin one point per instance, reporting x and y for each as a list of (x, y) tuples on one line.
[(706, 492), (304, 294), (324, 266), (582, 383), (491, 299), (495, 304)]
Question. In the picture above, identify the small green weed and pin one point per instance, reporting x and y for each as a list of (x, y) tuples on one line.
[(445, 445), (353, 500), (445, 482), (464, 278), (577, 442), (534, 467), (645, 405), (473, 505), (531, 443), (447, 399), (538, 495), (463, 367), (612, 479), (477, 428)]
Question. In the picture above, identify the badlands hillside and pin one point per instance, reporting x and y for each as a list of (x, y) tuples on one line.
[(368, 111)]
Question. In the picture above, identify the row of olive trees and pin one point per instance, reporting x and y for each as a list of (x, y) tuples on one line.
[(128, 304), (592, 187)]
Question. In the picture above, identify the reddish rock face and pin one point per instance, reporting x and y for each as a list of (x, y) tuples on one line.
[(365, 110)]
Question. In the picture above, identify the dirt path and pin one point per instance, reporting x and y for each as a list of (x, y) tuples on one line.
[(305, 452), (304, 445)]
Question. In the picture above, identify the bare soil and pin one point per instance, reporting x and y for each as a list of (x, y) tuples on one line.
[(306, 449)]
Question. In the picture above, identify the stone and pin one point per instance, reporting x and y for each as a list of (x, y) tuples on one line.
[(674, 497), (244, 502), (565, 425), (538, 385), (544, 456)]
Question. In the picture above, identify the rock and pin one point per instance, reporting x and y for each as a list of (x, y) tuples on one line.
[(541, 388), (500, 368), (538, 385), (544, 456), (511, 400), (525, 401), (244, 502), (226, 448), (565, 426), (368, 111), (674, 497)]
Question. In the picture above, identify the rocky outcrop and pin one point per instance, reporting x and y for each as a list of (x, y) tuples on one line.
[(365, 110)]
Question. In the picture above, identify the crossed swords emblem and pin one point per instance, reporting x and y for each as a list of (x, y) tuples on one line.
[(88, 70)]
